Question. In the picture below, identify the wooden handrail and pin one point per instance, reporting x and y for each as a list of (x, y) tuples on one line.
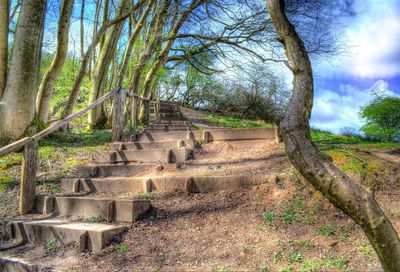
[(132, 94), (18, 145)]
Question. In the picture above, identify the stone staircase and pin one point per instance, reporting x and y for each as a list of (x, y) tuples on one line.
[(104, 199)]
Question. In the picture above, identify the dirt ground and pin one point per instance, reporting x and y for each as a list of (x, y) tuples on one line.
[(281, 225)]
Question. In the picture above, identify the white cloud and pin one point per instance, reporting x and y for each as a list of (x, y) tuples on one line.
[(336, 109), (373, 38)]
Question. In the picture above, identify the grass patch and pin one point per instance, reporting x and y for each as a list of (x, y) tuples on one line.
[(121, 248), (235, 121), (59, 154), (95, 219), (51, 245), (146, 196)]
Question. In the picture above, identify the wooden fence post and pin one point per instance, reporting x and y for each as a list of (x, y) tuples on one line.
[(146, 111), (118, 115), (156, 109), (135, 111), (28, 178)]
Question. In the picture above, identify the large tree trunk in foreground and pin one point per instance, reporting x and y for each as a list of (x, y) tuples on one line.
[(18, 102), (351, 197), (47, 85), (4, 9)]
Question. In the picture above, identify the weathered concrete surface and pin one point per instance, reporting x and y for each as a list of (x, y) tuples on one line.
[(213, 135), (204, 184), (154, 130), (90, 236), (118, 146), (14, 264), (173, 122), (146, 156), (120, 210), (164, 184), (126, 170), (113, 184)]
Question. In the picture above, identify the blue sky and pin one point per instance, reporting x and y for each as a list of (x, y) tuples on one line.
[(371, 62)]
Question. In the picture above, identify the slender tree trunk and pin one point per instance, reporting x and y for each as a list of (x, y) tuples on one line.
[(162, 56), (47, 85), (102, 66), (131, 42), (349, 196), (81, 74), (82, 32), (18, 102), (4, 10)]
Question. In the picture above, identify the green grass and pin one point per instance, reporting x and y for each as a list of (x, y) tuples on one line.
[(325, 138), (121, 248), (235, 122), (59, 154)]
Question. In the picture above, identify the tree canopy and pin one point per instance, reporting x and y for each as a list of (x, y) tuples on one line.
[(382, 117)]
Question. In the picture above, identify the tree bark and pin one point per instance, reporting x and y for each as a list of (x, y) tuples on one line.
[(47, 85), (28, 178), (4, 10), (102, 65), (162, 56), (349, 196), (81, 74), (17, 107), (131, 42), (82, 30)]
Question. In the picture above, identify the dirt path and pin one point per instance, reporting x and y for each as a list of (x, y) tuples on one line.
[(197, 118)]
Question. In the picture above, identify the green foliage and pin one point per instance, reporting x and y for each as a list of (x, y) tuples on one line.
[(54, 188), (295, 257), (366, 251), (383, 118), (121, 248), (51, 245), (223, 269), (235, 122), (146, 196), (63, 86), (269, 218), (326, 138), (95, 219)]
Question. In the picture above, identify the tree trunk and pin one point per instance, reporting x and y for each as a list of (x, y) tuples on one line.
[(102, 65), (161, 58), (46, 87), (82, 30), (18, 102), (81, 74), (349, 196), (131, 42), (4, 10)]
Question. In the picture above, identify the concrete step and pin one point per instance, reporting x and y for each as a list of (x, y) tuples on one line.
[(154, 130), (111, 210), (92, 237), (119, 146), (166, 136), (167, 127), (16, 264), (172, 122), (145, 156), (196, 184), (120, 170), (268, 134)]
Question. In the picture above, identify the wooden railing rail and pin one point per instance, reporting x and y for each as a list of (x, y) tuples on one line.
[(30, 144)]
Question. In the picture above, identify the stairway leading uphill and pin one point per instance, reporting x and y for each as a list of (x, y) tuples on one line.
[(98, 205)]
